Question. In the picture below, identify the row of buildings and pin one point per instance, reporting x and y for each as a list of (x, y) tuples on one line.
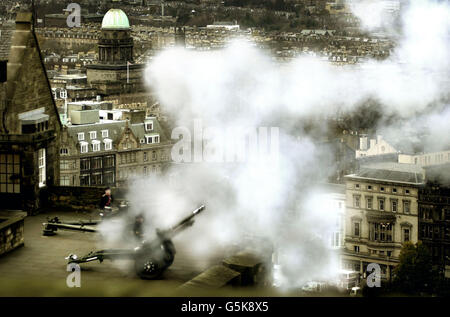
[(387, 204), (86, 143)]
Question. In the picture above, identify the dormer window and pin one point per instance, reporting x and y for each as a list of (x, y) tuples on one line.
[(149, 126), (95, 145), (108, 144), (84, 147), (150, 139), (93, 135)]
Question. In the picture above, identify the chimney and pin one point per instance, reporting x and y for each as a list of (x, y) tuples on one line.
[(363, 143), (24, 20), (136, 116), (379, 139)]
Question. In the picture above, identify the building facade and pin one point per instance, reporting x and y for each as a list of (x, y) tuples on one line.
[(434, 216), (381, 215), (115, 71), (30, 126), (113, 152)]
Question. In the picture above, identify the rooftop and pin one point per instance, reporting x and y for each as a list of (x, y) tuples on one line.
[(391, 172)]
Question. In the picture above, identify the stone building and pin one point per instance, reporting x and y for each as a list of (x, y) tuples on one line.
[(434, 216), (111, 152), (30, 126), (382, 214), (115, 72)]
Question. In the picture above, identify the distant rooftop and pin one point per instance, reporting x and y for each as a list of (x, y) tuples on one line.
[(391, 172)]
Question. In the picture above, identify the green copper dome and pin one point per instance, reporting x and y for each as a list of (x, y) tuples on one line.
[(115, 19)]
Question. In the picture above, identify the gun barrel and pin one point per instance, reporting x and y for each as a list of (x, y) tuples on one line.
[(185, 222)]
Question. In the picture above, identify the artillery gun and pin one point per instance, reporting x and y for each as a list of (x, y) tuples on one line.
[(53, 224), (151, 258)]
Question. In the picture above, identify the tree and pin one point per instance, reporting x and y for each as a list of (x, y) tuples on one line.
[(414, 272)]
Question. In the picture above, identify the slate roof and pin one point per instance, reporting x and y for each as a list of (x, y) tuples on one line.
[(6, 34), (139, 130), (115, 129), (391, 172)]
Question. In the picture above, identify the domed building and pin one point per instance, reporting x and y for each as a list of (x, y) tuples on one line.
[(115, 71)]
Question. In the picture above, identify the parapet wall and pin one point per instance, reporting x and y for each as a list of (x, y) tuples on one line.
[(11, 230), (80, 198)]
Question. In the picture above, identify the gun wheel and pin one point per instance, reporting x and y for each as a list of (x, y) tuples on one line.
[(148, 269)]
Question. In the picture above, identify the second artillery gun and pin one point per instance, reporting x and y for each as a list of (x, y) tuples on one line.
[(151, 258)]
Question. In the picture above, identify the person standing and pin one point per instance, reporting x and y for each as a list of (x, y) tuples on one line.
[(107, 199)]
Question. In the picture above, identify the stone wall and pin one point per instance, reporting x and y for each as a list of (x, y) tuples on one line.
[(80, 198), (11, 230)]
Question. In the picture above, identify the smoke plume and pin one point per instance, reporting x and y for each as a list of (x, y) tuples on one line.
[(242, 86)]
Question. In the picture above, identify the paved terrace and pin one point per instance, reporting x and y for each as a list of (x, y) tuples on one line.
[(39, 267)]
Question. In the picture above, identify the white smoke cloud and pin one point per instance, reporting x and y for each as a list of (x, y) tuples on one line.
[(242, 86)]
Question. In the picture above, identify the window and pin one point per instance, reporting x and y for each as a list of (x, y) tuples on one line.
[(85, 164), (64, 151), (96, 179), (394, 205), (356, 248), (96, 146), (381, 232), (152, 139), (382, 189), (93, 135), (406, 206), (369, 187), (97, 163), (108, 144), (149, 126), (357, 201), (407, 191), (10, 173), (154, 156), (394, 190), (108, 177), (145, 170), (406, 236), (64, 180), (81, 136), (389, 253), (41, 163), (145, 156), (104, 133), (84, 147), (356, 229), (356, 185), (108, 161), (64, 165), (369, 202), (381, 204)]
